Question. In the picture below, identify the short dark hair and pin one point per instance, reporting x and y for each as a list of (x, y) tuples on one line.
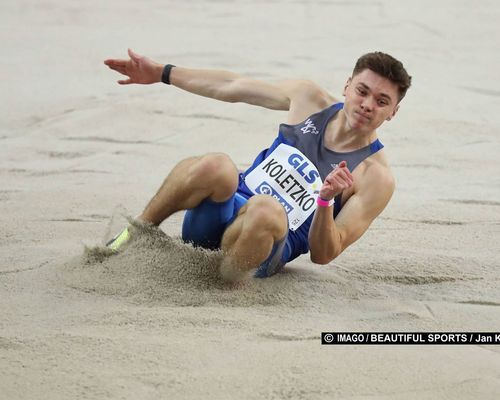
[(386, 66)]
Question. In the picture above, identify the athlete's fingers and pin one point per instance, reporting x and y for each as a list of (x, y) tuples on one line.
[(343, 167), (113, 63), (125, 81), (348, 180), (336, 181), (332, 185), (134, 56), (327, 186), (113, 67), (121, 70), (341, 184), (329, 182), (344, 173), (328, 178)]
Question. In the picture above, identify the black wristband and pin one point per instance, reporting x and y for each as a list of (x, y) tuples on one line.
[(165, 76)]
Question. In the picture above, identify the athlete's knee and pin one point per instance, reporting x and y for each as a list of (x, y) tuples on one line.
[(218, 171), (265, 212)]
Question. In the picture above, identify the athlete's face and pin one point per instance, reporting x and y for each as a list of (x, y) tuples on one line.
[(370, 99)]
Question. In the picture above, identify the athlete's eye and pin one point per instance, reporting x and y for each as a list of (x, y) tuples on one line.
[(360, 91), (382, 103)]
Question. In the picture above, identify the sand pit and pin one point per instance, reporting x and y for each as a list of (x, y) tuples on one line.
[(155, 321)]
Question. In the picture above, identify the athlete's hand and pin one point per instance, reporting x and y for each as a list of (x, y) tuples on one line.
[(336, 182), (138, 69)]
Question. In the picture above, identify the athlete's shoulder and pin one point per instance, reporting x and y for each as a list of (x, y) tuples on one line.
[(306, 98), (375, 174), (308, 90)]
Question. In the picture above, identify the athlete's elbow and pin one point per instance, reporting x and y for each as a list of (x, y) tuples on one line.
[(325, 254), (223, 94), (320, 260), (234, 90), (323, 259), (229, 96)]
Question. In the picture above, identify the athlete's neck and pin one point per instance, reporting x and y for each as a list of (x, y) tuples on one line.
[(341, 137)]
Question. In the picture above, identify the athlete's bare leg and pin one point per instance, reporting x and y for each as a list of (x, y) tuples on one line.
[(193, 180), (250, 238)]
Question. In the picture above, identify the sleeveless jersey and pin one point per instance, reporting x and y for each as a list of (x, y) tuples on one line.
[(293, 169)]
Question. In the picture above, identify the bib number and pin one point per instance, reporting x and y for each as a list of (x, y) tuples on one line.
[(288, 176)]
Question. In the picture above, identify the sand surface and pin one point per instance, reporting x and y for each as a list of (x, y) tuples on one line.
[(78, 153)]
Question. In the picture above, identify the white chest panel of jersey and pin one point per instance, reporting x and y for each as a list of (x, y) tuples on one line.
[(288, 176)]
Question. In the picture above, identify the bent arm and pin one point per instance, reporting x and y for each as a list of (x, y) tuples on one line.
[(328, 238)]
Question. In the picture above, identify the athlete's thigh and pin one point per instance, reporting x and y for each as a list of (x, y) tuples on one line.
[(205, 225)]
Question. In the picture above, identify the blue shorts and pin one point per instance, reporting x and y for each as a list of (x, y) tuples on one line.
[(204, 226)]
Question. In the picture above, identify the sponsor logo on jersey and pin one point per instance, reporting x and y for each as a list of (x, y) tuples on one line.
[(265, 188), (309, 127), (291, 178)]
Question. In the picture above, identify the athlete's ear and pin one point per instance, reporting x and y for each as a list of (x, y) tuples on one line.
[(393, 114), (349, 80)]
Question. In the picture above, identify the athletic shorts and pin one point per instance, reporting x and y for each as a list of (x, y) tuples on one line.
[(205, 225)]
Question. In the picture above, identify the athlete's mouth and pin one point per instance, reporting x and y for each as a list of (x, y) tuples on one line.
[(362, 116)]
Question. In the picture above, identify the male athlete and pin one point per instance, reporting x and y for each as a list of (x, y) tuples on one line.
[(317, 188)]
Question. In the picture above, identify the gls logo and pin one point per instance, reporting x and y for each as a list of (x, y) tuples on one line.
[(309, 127), (301, 166)]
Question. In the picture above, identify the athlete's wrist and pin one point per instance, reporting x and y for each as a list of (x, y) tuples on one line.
[(165, 75), (325, 202), (157, 72)]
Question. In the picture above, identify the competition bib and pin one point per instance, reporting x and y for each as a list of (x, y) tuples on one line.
[(288, 176)]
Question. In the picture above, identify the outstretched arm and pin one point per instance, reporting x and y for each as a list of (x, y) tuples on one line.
[(220, 85)]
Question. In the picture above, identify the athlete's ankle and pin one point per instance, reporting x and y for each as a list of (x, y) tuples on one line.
[(146, 218)]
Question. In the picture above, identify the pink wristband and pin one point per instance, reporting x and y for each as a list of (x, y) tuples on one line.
[(325, 203)]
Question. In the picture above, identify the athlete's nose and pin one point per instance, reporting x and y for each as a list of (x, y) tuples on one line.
[(367, 104)]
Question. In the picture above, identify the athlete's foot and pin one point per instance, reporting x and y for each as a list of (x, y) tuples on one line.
[(275, 261), (119, 240)]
